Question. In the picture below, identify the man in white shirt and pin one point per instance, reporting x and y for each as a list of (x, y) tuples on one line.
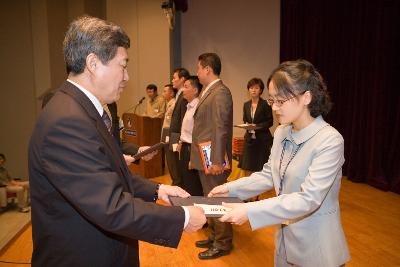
[(190, 177)]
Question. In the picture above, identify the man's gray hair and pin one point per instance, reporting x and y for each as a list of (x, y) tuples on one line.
[(91, 35)]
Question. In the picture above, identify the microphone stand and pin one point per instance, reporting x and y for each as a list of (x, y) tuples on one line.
[(136, 106)]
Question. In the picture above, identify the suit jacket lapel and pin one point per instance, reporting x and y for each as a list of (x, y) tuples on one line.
[(247, 110), (178, 102), (90, 109), (209, 91), (258, 109)]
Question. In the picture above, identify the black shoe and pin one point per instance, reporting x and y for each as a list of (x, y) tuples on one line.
[(204, 243), (24, 210), (213, 253)]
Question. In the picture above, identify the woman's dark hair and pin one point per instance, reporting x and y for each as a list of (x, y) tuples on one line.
[(194, 81), (256, 81), (292, 78)]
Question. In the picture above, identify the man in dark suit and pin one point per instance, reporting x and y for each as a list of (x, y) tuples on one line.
[(178, 79), (87, 209), (213, 121)]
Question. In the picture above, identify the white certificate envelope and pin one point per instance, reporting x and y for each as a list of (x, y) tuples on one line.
[(213, 210), (174, 147), (212, 206)]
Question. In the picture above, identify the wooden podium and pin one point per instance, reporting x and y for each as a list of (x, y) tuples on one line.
[(143, 131)]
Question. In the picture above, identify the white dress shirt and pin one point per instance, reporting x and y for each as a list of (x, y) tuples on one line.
[(178, 93), (187, 123), (91, 96)]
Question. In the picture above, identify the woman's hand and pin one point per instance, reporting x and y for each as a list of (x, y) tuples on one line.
[(219, 191), (238, 214)]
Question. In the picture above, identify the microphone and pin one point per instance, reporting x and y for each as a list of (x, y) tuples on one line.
[(136, 105), (140, 102)]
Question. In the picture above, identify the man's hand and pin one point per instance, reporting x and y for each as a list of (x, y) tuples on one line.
[(148, 156), (167, 190), (216, 169), (128, 159), (238, 214), (197, 219), (219, 191)]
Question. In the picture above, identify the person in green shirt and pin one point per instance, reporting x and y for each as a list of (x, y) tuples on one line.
[(155, 104)]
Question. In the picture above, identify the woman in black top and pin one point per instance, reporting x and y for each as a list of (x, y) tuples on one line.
[(258, 142)]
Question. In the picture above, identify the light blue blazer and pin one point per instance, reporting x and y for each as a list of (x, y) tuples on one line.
[(307, 213)]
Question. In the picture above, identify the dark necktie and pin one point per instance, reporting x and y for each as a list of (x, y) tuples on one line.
[(107, 121)]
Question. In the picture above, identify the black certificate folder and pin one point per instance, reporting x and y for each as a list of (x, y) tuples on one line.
[(149, 150), (248, 127)]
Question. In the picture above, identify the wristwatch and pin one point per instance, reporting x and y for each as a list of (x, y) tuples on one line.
[(155, 197)]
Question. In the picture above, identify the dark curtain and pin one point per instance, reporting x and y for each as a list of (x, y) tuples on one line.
[(355, 45)]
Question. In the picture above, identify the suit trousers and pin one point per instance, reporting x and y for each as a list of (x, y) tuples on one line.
[(221, 233), (173, 166), (190, 178)]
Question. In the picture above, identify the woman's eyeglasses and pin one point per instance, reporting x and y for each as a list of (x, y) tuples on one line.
[(280, 102)]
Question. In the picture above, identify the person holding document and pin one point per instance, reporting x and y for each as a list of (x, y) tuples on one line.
[(304, 168), (178, 79), (258, 142), (87, 208), (213, 122)]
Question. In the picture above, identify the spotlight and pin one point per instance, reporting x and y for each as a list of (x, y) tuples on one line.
[(169, 11), (170, 6)]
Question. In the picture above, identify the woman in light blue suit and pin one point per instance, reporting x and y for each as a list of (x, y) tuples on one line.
[(304, 168)]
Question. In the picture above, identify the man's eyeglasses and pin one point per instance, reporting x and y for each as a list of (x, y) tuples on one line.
[(280, 102)]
